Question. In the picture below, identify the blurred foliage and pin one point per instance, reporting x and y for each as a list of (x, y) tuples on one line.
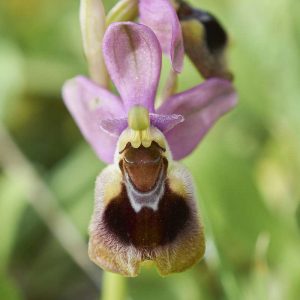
[(246, 170)]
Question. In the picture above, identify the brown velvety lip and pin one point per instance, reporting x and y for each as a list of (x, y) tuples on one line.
[(143, 166), (148, 229), (149, 187)]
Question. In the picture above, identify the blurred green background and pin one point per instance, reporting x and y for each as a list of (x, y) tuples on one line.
[(246, 170)]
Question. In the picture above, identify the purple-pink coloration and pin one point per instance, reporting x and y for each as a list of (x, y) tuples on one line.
[(162, 18), (89, 104), (201, 107), (133, 54), (133, 58), (164, 122)]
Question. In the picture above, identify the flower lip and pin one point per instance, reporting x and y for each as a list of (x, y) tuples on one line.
[(144, 166), (132, 228), (143, 161), (129, 227)]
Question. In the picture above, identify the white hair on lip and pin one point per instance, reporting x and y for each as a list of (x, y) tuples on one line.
[(138, 199)]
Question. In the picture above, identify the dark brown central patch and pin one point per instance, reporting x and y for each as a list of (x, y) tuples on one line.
[(147, 228)]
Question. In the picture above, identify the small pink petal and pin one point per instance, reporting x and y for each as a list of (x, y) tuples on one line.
[(165, 122), (201, 107), (114, 126), (133, 58), (162, 18), (89, 104)]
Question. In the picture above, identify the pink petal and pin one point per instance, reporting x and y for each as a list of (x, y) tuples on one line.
[(162, 18), (165, 122), (114, 126), (201, 107), (133, 58), (89, 104)]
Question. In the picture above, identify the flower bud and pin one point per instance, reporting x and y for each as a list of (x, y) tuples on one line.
[(92, 22), (205, 41)]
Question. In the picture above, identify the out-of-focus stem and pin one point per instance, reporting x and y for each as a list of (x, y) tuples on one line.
[(124, 10), (16, 166), (215, 262), (113, 287), (92, 22)]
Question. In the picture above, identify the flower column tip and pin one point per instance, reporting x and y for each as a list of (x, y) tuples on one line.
[(139, 123)]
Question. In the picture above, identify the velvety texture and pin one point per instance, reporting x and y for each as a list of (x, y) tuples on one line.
[(122, 237), (147, 229)]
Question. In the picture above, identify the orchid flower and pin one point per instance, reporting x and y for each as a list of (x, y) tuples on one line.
[(145, 207)]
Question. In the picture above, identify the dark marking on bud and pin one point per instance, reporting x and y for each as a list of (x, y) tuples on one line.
[(205, 41), (215, 35), (147, 229)]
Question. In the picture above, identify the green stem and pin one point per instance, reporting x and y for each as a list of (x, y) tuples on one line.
[(113, 287)]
